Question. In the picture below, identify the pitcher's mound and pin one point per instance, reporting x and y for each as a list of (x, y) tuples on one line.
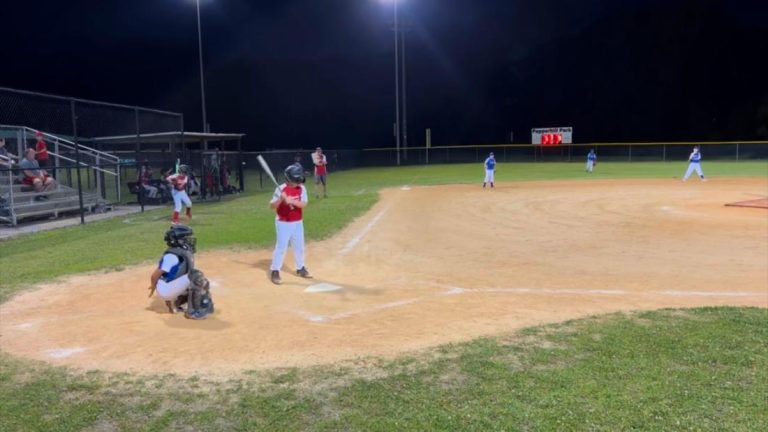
[(757, 203)]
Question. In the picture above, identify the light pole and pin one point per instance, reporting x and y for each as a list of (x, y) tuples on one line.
[(202, 79), (400, 132), (397, 88), (405, 104)]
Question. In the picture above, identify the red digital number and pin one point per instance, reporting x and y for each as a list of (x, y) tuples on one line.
[(551, 139)]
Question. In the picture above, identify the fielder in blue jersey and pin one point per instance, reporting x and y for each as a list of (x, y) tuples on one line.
[(694, 164), (591, 160), (490, 169)]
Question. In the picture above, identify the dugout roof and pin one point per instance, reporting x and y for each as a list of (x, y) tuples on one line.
[(166, 137)]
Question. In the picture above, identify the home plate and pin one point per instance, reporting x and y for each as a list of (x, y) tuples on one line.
[(322, 287)]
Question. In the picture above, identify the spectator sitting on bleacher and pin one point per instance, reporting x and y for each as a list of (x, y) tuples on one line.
[(145, 177), (32, 175), (6, 159)]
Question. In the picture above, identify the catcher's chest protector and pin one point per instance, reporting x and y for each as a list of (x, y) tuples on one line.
[(186, 260)]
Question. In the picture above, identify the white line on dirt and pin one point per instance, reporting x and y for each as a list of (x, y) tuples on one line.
[(454, 290), (26, 325), (710, 294), (309, 316), (352, 243), (64, 352), (376, 308)]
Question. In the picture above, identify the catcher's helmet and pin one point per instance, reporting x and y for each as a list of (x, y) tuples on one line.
[(294, 174), (181, 236), (183, 169)]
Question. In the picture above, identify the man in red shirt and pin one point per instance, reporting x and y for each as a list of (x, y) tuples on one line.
[(321, 171), (41, 150), (288, 201)]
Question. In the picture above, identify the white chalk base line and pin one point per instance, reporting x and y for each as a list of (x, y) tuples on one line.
[(454, 290), (356, 239)]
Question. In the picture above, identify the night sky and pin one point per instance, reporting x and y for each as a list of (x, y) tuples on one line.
[(301, 73)]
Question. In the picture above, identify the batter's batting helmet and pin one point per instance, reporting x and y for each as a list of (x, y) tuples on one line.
[(294, 174), (181, 236)]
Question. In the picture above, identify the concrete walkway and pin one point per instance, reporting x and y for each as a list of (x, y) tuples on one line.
[(61, 222)]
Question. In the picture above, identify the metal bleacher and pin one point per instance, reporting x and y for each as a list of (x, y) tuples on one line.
[(19, 201), (24, 203)]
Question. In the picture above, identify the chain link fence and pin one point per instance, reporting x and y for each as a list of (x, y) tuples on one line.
[(73, 131), (616, 152)]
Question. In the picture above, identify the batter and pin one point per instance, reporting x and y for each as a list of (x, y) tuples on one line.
[(288, 201), (179, 192)]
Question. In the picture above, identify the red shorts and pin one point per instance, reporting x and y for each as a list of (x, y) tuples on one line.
[(31, 180)]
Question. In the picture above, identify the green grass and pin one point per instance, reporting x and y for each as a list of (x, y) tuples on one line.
[(701, 369)]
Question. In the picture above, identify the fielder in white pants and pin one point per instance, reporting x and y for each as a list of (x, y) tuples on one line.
[(490, 169), (489, 176), (591, 159), (694, 164)]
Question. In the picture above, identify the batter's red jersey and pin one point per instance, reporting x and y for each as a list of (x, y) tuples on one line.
[(285, 212), (179, 181)]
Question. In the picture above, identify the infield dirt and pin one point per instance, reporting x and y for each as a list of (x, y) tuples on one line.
[(426, 266)]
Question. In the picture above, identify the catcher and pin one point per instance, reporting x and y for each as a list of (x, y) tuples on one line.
[(177, 281)]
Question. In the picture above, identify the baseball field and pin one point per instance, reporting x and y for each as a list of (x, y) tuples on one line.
[(559, 300)]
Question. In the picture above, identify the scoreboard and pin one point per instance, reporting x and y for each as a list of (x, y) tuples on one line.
[(552, 136)]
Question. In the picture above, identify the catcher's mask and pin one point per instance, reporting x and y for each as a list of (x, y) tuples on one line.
[(294, 174), (181, 236)]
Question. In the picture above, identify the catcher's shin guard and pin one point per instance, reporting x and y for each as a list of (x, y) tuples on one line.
[(199, 303)]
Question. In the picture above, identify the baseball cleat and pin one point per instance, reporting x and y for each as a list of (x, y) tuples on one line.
[(196, 315), (303, 272), (275, 277)]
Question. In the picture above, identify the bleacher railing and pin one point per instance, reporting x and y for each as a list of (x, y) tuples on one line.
[(66, 152)]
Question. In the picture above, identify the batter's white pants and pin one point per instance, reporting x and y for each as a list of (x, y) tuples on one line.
[(691, 167), (288, 232), (171, 290), (590, 165), (180, 197), (488, 176)]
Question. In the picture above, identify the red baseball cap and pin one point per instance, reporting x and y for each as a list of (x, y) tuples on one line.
[(38, 134)]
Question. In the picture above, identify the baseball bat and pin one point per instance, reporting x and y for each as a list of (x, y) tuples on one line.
[(266, 169)]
